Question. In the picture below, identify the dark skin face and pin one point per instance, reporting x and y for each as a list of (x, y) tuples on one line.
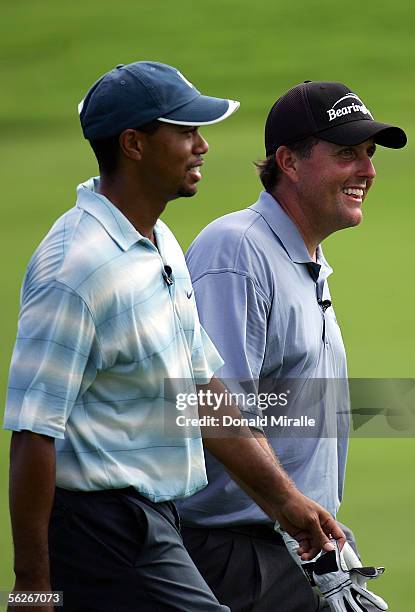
[(171, 160), (154, 168)]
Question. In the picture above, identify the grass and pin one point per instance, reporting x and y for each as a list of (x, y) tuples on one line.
[(51, 52)]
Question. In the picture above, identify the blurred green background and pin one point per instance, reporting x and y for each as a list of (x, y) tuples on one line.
[(50, 53)]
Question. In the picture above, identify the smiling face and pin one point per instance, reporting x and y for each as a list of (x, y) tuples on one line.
[(333, 182), (171, 160)]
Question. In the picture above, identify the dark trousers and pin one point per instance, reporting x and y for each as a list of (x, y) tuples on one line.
[(249, 569), (115, 551)]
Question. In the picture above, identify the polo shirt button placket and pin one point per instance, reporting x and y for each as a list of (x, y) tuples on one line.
[(168, 277)]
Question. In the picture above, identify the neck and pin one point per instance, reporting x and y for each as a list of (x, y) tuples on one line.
[(140, 208), (298, 214)]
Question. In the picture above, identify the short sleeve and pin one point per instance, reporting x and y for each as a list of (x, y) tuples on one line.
[(205, 357), (235, 315), (55, 359)]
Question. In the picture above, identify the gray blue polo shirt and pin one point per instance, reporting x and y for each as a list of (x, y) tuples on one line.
[(266, 306), (102, 325)]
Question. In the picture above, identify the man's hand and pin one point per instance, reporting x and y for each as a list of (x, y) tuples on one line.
[(256, 469), (339, 577), (310, 524), (32, 489), (34, 587)]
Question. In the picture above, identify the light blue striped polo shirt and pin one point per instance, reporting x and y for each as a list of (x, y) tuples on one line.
[(100, 330)]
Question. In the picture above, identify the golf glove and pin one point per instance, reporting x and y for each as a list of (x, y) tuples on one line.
[(339, 577), (292, 546)]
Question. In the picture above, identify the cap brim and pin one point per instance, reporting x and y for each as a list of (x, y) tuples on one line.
[(202, 110), (356, 132)]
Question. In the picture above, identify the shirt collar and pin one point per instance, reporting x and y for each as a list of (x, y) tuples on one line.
[(326, 269), (111, 218), (289, 235)]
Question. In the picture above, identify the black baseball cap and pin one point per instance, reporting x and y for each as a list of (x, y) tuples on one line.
[(135, 94), (327, 110)]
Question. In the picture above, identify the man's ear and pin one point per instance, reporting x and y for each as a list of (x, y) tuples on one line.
[(131, 144), (287, 161)]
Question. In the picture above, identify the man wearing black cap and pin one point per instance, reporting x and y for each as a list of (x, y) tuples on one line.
[(108, 335), (260, 280)]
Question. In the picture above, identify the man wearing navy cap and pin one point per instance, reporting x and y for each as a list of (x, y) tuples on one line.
[(260, 280), (108, 317)]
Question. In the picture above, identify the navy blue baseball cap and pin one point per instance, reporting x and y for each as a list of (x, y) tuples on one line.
[(134, 94)]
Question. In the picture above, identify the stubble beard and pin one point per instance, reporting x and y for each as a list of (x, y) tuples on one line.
[(184, 192)]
